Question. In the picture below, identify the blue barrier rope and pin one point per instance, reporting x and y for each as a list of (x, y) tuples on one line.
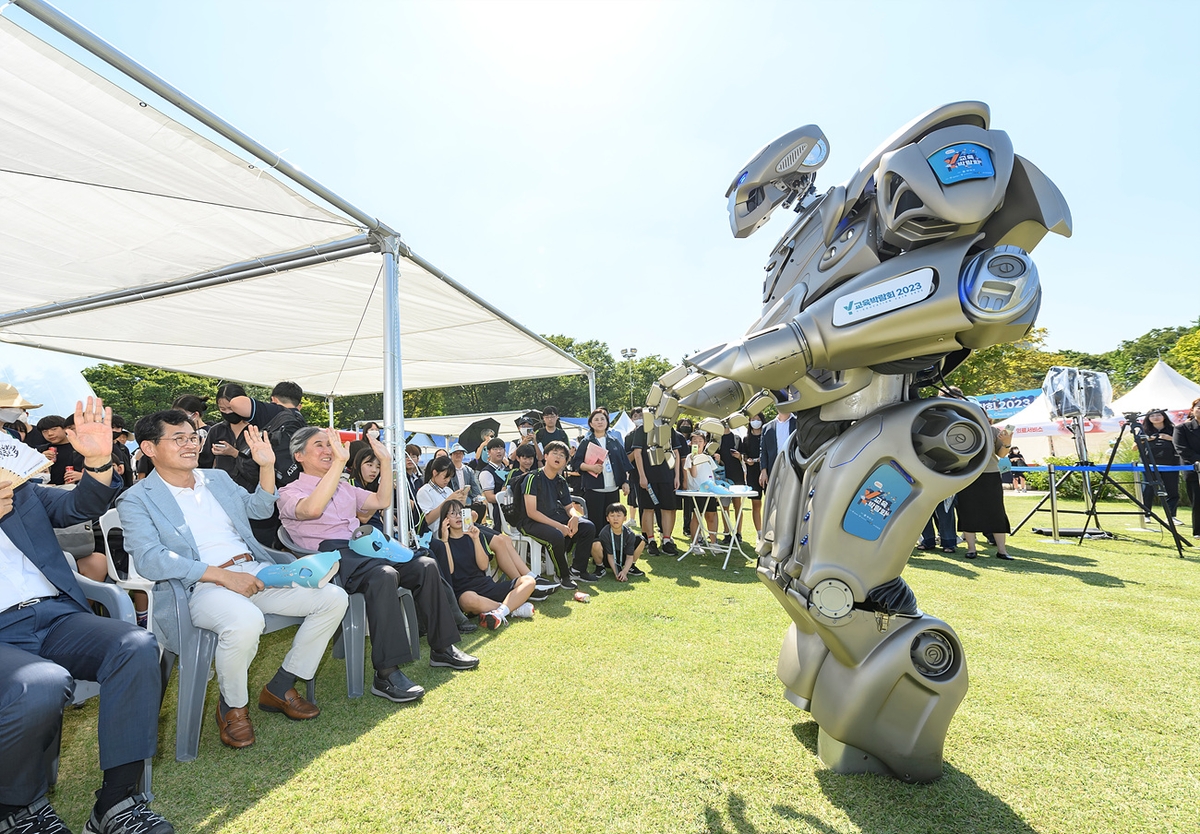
[(1116, 467)]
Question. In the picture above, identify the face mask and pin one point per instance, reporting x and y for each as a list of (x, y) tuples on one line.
[(12, 415), (637, 423), (685, 429), (373, 434), (756, 424), (232, 417)]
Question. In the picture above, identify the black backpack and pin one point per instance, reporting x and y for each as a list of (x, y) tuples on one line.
[(280, 430), (515, 511)]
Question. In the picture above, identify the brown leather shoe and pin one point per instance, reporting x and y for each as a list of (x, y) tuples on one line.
[(236, 730), (291, 705)]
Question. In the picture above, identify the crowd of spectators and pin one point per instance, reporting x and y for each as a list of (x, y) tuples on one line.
[(212, 504)]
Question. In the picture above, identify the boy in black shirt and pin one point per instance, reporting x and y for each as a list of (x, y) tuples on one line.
[(555, 520), (618, 545), (550, 432)]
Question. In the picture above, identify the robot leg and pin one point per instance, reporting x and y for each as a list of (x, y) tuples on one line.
[(881, 679)]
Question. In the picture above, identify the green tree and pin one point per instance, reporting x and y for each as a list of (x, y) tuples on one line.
[(134, 391), (1016, 366), (1134, 358), (1185, 355)]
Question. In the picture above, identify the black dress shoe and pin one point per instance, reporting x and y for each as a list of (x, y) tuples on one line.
[(397, 687), (451, 657), (468, 627)]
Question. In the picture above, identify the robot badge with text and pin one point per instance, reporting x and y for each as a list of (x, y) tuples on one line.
[(881, 286)]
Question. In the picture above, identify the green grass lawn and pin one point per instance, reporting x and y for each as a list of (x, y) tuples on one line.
[(655, 708)]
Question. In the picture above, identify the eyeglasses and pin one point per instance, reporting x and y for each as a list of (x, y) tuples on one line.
[(182, 441)]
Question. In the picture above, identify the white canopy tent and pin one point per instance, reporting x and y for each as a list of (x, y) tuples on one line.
[(126, 235), (1163, 387)]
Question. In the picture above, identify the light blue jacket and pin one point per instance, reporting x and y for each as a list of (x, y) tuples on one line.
[(162, 546)]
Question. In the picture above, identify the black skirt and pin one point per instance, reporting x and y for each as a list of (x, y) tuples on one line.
[(981, 506)]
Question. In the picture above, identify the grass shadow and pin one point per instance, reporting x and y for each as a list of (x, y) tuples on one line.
[(882, 804), (1025, 561)]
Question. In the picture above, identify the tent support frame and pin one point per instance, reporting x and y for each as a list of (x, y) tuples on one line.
[(396, 519), (298, 259)]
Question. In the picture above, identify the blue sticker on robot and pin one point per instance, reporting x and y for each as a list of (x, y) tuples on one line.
[(880, 495), (964, 161)]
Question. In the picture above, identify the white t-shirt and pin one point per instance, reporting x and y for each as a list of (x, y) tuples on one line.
[(23, 579), (430, 497), (705, 470), (210, 525), (782, 433)]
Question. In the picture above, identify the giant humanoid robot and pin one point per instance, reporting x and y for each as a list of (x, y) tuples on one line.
[(882, 285)]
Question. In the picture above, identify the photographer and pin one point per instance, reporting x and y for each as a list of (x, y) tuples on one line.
[(1158, 432), (525, 425), (1187, 444)]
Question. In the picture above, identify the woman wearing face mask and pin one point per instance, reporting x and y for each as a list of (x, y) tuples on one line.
[(227, 439), (751, 452), (370, 432)]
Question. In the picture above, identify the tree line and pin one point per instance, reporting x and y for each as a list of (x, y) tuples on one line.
[(134, 390)]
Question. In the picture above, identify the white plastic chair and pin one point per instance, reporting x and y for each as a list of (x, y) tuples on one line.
[(530, 548), (132, 581)]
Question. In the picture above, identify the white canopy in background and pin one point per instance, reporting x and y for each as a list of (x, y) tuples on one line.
[(102, 194), (1163, 387), (452, 425)]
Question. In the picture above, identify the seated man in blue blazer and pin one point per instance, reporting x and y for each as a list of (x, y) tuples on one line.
[(194, 525), (774, 438), (49, 636)]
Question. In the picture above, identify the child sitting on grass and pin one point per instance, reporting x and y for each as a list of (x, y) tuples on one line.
[(617, 545)]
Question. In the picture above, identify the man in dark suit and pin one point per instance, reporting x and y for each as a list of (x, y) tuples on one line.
[(774, 437), (49, 636)]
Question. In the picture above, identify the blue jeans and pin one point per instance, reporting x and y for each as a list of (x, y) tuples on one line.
[(943, 517)]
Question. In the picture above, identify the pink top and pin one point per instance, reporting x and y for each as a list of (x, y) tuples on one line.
[(339, 520)]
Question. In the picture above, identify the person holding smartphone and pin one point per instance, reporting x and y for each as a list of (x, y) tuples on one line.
[(526, 426)]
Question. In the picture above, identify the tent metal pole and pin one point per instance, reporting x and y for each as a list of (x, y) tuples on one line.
[(310, 256), (106, 52), (591, 389), (396, 519), (428, 267), (329, 404)]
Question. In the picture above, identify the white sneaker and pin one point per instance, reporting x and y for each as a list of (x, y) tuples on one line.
[(524, 611)]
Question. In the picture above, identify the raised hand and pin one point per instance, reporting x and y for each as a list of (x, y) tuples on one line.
[(92, 433), (341, 453), (381, 451), (260, 446)]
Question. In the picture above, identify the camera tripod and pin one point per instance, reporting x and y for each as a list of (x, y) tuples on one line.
[(1153, 477)]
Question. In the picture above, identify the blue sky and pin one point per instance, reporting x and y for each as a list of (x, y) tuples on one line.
[(568, 160)]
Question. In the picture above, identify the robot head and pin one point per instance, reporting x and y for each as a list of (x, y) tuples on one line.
[(781, 172)]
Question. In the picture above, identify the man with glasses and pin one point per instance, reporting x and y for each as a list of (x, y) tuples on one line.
[(193, 525)]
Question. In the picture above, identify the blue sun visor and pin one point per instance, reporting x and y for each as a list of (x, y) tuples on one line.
[(963, 161)]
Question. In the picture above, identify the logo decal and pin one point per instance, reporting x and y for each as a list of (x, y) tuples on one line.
[(964, 161), (876, 502), (884, 297)]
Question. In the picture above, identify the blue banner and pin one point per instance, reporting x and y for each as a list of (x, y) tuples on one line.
[(999, 406)]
